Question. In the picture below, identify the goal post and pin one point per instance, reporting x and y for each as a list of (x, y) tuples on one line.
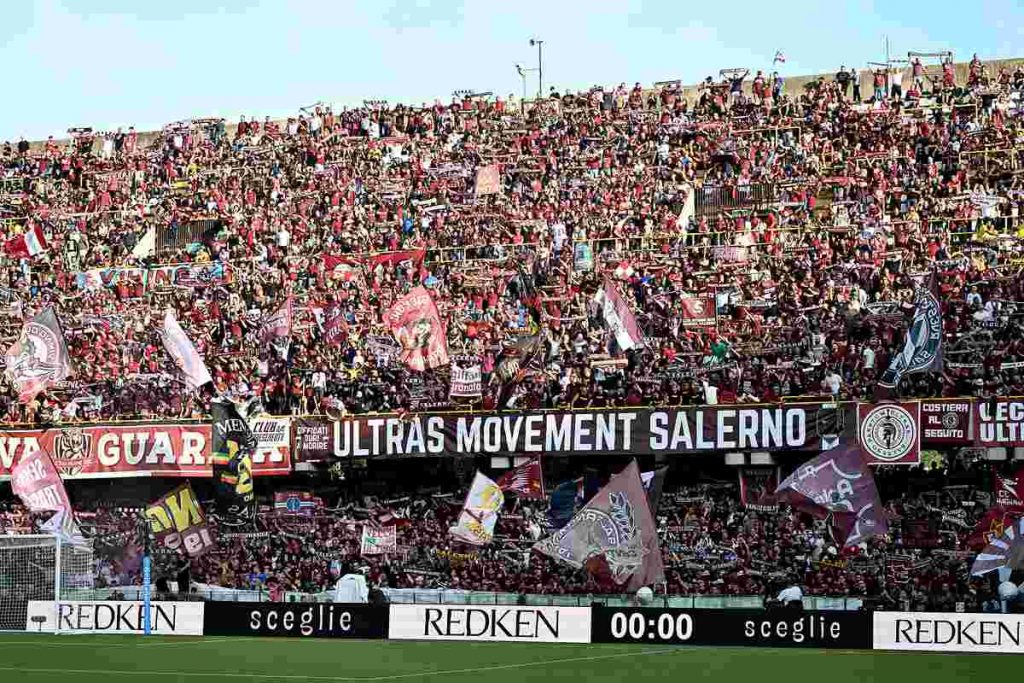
[(43, 569)]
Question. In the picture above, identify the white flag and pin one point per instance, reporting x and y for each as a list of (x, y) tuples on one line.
[(184, 353), (146, 246), (479, 512)]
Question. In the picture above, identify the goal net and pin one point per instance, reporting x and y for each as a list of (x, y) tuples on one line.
[(29, 571)]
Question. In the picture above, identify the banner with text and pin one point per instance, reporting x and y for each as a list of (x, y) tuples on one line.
[(490, 623), (158, 450), (636, 432)]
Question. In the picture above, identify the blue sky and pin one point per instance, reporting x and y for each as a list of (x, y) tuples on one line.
[(109, 63)]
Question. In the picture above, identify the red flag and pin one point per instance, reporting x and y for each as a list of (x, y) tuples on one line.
[(335, 329), (698, 311), (39, 358), (341, 267), (416, 325), (27, 245), (527, 480), (36, 481), (279, 323), (393, 258), (991, 526)]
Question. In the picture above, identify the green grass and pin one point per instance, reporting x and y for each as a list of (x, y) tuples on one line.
[(124, 659)]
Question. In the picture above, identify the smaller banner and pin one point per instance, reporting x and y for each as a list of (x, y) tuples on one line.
[(334, 325), (999, 422), (166, 618), (698, 311), (313, 439), (273, 443), (946, 422), (466, 377), (889, 433), (188, 275), (379, 540), (1009, 490), (947, 632), (301, 503), (178, 523), (295, 620), (490, 623), (582, 257)]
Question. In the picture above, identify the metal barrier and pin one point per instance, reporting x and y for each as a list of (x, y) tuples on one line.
[(716, 199)]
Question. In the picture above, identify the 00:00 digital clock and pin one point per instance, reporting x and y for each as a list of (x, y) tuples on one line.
[(634, 626)]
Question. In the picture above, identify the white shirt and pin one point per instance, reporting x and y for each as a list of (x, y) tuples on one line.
[(352, 588), (791, 594)]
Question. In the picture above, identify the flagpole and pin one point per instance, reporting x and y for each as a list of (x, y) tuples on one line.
[(147, 572)]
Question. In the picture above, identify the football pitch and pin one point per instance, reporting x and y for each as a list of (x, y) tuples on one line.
[(116, 659)]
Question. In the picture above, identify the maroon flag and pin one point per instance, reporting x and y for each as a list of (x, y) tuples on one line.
[(36, 481), (1005, 551), (1010, 490), (991, 526), (757, 488), (279, 324), (614, 532), (340, 268), (416, 325), (39, 358), (619, 319), (527, 480), (334, 325), (393, 258), (698, 311), (838, 485)]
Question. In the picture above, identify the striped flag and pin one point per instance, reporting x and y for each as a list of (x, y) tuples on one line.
[(1005, 551), (28, 244), (618, 317), (527, 480)]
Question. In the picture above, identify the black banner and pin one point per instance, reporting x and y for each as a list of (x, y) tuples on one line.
[(231, 457), (727, 627), (297, 620), (313, 439), (621, 431)]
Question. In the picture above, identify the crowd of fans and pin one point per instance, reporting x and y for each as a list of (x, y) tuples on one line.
[(712, 545), (808, 215)]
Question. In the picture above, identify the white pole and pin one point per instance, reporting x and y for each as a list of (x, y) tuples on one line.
[(56, 586)]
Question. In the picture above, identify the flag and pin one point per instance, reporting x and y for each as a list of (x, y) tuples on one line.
[(922, 349), (1005, 551), (488, 180), (416, 325), (565, 501), (1009, 491), (297, 503), (378, 540), (757, 488), (838, 485), (698, 311), (479, 512), (340, 268), (178, 523), (335, 328), (39, 358), (37, 483), (231, 457), (614, 531), (527, 480), (779, 58), (278, 325), (28, 244), (147, 245), (516, 362), (653, 482), (466, 378), (183, 353), (618, 317), (991, 526), (393, 258)]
